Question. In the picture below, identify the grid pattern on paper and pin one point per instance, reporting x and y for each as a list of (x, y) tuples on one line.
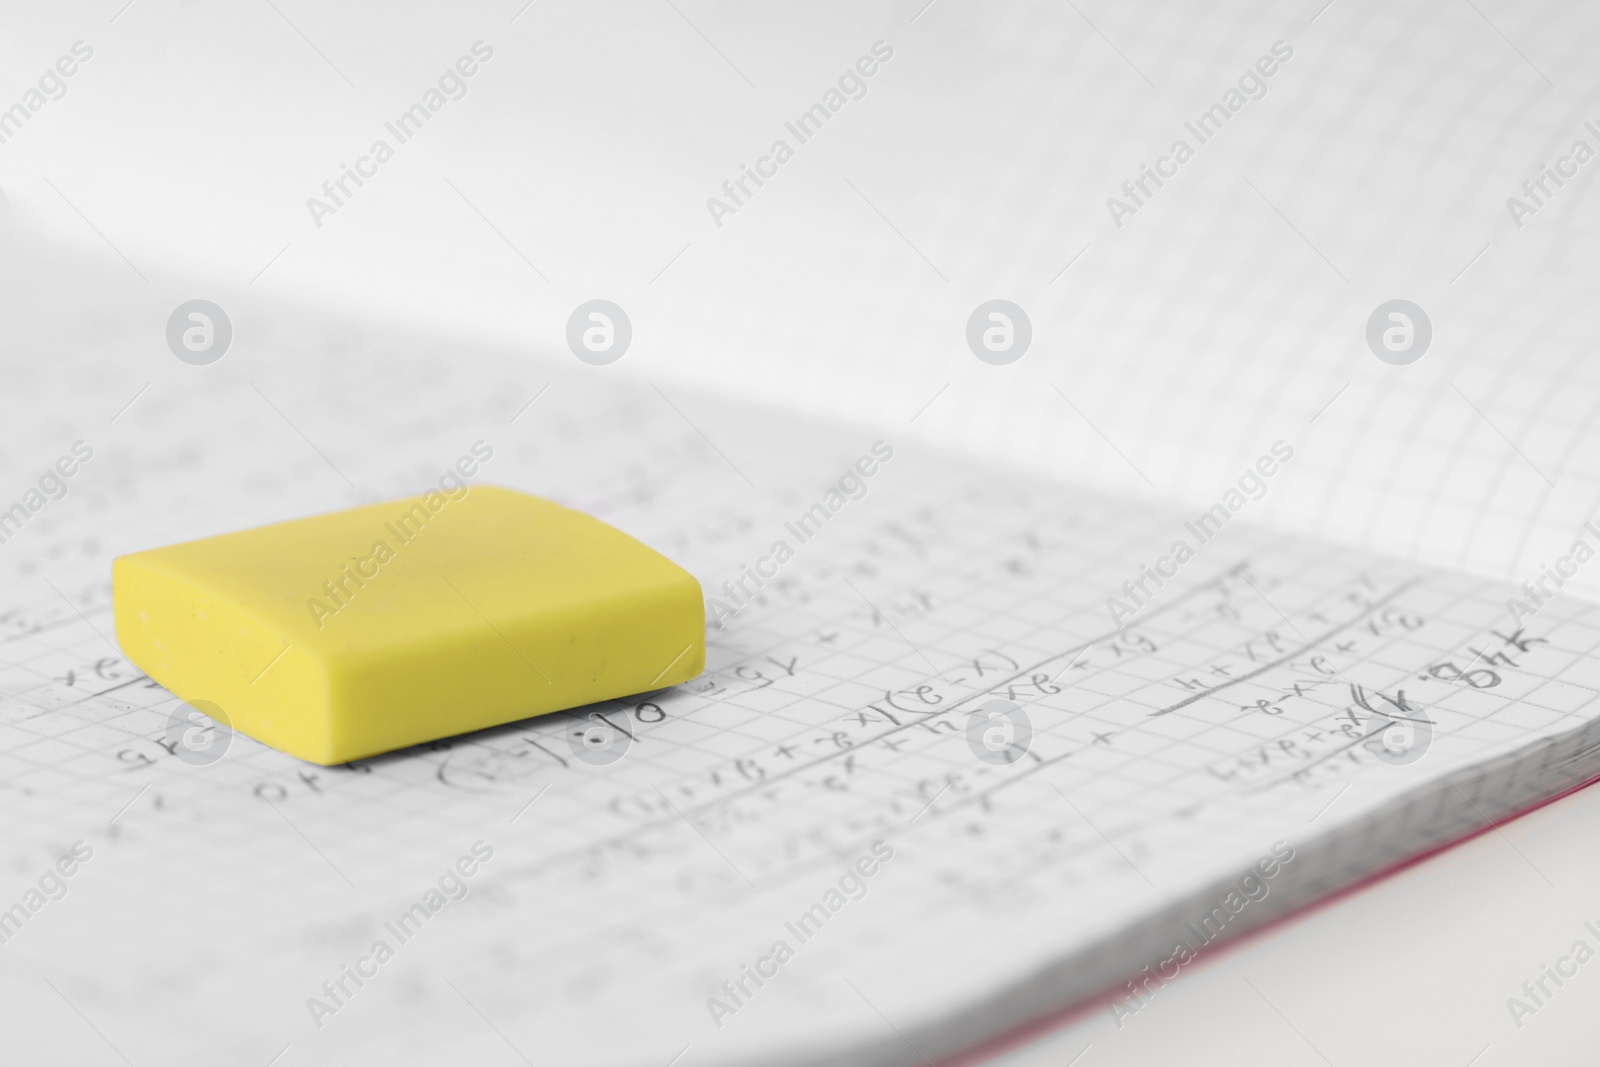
[(834, 712)]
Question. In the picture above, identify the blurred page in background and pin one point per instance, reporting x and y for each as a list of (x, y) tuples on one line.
[(1333, 160)]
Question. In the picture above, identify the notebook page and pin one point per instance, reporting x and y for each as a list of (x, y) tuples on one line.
[(1374, 162), (835, 714)]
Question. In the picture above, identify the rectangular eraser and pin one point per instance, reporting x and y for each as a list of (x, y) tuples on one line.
[(362, 631)]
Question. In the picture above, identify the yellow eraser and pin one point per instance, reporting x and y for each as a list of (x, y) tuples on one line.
[(362, 631)]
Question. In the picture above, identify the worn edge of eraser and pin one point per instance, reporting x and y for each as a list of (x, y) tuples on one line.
[(219, 646)]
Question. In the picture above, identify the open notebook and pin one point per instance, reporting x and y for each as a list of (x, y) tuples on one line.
[(957, 762), (833, 847)]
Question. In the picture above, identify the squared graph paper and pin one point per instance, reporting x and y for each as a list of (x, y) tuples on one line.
[(1233, 714)]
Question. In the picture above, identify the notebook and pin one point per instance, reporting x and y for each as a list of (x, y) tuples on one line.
[(1026, 684), (972, 746)]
